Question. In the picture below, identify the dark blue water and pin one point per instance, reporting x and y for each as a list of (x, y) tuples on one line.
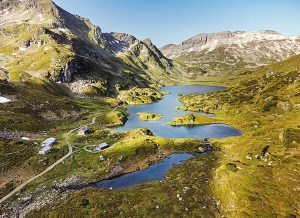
[(167, 107), (153, 173)]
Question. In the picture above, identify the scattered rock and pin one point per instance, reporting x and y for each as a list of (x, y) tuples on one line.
[(248, 157), (185, 189), (284, 105), (116, 170), (201, 149), (179, 197)]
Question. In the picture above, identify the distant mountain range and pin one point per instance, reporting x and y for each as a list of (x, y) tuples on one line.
[(40, 40), (215, 52)]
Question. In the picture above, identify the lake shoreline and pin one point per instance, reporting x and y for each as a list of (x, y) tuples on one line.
[(167, 108), (99, 184)]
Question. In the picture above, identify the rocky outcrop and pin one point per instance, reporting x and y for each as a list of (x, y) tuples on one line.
[(31, 11), (67, 71), (127, 45), (140, 54), (260, 41), (3, 74), (231, 49)]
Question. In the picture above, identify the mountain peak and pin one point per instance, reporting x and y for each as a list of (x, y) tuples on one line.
[(148, 41), (27, 11), (73, 49), (228, 48), (211, 41)]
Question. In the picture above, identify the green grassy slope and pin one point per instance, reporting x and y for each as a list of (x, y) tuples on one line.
[(156, 199), (53, 45), (265, 105), (38, 112), (254, 175)]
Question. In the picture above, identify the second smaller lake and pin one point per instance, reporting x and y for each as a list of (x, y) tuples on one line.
[(153, 173)]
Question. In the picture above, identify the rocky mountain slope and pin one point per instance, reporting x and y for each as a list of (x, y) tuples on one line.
[(39, 40), (224, 51)]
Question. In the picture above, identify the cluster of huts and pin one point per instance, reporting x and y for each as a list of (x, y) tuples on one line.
[(84, 130), (46, 145)]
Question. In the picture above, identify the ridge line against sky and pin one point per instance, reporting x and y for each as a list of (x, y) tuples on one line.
[(172, 21)]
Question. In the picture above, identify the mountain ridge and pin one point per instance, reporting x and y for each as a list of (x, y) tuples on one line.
[(204, 40), (246, 49), (78, 53)]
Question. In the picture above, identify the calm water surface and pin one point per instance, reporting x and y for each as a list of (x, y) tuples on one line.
[(153, 173), (166, 107)]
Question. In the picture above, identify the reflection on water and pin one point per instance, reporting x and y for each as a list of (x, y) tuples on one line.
[(153, 173), (167, 107)]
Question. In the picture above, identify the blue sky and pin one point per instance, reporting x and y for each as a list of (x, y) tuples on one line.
[(172, 21)]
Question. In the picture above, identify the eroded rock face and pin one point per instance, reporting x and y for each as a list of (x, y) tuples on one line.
[(253, 48), (31, 11), (206, 39), (123, 44), (257, 41), (98, 35), (67, 71)]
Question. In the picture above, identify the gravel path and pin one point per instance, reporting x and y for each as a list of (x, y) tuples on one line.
[(16, 190)]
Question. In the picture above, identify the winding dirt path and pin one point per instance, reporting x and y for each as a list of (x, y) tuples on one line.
[(70, 152)]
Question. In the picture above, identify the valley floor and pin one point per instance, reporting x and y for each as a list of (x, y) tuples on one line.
[(254, 175), (60, 72)]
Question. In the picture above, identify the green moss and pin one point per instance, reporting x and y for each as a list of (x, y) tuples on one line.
[(149, 116), (156, 199), (3, 75), (90, 90), (291, 137), (14, 153), (141, 95), (102, 86), (113, 119), (193, 120), (141, 148), (254, 170)]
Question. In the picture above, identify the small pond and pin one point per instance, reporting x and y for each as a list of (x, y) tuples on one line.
[(153, 173)]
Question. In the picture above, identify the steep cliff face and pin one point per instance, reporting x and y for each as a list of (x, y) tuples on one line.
[(224, 50), (40, 40)]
